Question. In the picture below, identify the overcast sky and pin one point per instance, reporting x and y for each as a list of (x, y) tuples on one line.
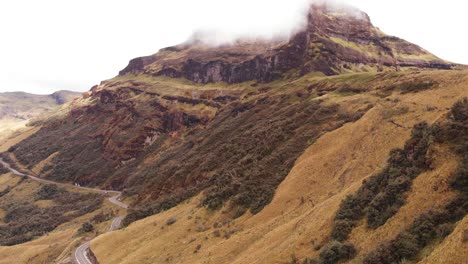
[(50, 45)]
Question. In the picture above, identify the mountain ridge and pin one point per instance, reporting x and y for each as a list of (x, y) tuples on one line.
[(17, 109), (334, 41)]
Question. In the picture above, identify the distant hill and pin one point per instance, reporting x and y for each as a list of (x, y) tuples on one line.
[(17, 108)]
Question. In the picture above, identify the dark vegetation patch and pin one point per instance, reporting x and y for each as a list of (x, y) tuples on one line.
[(102, 217), (416, 86), (333, 252), (5, 191), (24, 221), (430, 226), (86, 227), (95, 141), (349, 90), (380, 197), (79, 157), (3, 170), (49, 191), (413, 86), (435, 224), (242, 156), (9, 188)]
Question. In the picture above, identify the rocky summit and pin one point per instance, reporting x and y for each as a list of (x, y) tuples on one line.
[(335, 40)]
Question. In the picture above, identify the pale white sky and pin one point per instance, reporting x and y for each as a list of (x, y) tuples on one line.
[(50, 45)]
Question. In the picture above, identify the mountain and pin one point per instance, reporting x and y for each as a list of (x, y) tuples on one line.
[(335, 40), (340, 144), (17, 108)]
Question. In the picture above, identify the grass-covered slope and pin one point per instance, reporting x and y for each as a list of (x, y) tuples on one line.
[(42, 223), (298, 222), (18, 108), (164, 140)]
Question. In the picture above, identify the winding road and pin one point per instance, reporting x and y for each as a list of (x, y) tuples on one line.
[(81, 253)]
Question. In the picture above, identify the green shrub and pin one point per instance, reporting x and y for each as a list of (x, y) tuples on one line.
[(86, 227), (171, 221), (337, 252), (48, 191), (416, 86), (11, 149), (459, 111), (3, 170), (341, 229), (5, 191)]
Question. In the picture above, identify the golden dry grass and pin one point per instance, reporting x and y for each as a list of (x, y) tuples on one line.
[(38, 167), (304, 205), (8, 126), (8, 180), (37, 251), (56, 246), (11, 140), (44, 203), (430, 190)]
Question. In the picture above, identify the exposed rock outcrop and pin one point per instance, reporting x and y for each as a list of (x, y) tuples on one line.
[(335, 40)]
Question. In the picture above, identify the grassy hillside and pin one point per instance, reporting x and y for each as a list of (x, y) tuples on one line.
[(298, 223), (340, 144), (42, 223), (18, 108)]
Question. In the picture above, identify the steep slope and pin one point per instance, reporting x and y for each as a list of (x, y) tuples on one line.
[(298, 222), (165, 139)]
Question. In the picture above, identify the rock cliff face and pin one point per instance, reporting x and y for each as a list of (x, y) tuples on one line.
[(335, 40)]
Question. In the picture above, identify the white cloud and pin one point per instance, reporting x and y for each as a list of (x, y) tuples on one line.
[(54, 44)]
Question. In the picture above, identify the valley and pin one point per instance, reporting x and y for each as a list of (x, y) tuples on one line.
[(50, 193)]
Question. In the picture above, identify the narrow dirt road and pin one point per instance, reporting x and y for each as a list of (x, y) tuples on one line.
[(81, 253)]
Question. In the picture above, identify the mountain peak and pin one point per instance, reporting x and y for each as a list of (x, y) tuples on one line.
[(336, 39)]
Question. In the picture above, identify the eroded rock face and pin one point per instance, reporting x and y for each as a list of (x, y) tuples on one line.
[(334, 41)]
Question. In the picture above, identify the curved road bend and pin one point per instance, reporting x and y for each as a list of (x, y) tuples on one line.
[(81, 253)]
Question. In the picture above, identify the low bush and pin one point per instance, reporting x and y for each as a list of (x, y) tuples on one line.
[(412, 86), (3, 170), (336, 252), (5, 191), (86, 227), (102, 217), (48, 191), (171, 221)]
